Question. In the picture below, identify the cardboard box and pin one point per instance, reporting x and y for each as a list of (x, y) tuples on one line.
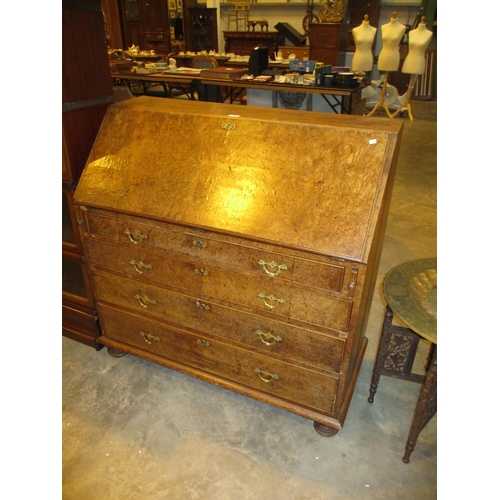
[(302, 66), (223, 73)]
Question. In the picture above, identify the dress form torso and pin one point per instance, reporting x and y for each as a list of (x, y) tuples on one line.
[(392, 33), (363, 36), (418, 40)]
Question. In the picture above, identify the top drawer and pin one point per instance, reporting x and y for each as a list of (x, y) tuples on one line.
[(222, 251)]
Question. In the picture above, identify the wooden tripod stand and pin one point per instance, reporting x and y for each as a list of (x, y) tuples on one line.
[(409, 92), (382, 102)]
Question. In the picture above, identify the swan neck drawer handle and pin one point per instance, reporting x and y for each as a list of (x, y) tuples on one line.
[(140, 264), (274, 270), (144, 301), (135, 237), (149, 337), (268, 338), (266, 376), (271, 298)]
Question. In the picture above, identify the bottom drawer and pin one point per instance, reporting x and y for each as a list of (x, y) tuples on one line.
[(276, 377)]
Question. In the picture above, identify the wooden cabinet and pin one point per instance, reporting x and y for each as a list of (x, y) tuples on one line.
[(86, 94), (356, 11), (328, 43), (243, 42), (145, 23), (201, 29), (240, 260)]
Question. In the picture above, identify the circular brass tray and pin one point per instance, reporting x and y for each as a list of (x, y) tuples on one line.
[(411, 292)]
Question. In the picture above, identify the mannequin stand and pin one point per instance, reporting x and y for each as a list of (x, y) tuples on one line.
[(407, 106), (382, 102)]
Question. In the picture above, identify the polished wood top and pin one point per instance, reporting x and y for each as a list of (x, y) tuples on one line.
[(304, 180)]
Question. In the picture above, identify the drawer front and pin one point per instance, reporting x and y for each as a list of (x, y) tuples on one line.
[(269, 375), (271, 299), (274, 338), (316, 272)]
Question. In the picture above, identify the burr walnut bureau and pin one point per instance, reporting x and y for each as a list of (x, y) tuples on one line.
[(241, 249)]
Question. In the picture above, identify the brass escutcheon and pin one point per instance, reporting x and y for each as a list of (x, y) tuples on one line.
[(135, 237), (265, 375), (201, 272), (201, 305), (270, 338), (148, 337), (228, 126), (144, 300), (199, 244), (272, 265), (272, 298), (141, 264), (204, 343)]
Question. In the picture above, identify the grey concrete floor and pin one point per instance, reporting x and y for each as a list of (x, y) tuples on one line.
[(135, 430)]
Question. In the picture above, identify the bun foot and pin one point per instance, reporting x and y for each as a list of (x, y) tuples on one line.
[(115, 353), (324, 430)]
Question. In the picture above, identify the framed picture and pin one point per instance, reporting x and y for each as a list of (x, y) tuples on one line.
[(171, 5), (179, 4)]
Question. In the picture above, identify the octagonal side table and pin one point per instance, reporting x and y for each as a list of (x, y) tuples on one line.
[(410, 290)]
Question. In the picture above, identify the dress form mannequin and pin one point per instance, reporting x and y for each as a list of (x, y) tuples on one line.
[(414, 64), (363, 35), (388, 59)]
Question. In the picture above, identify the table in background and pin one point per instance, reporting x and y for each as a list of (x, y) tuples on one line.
[(182, 83), (348, 100), (410, 290)]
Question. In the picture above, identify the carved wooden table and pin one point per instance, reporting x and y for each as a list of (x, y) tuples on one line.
[(410, 290)]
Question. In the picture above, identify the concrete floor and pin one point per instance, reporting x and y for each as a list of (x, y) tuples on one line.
[(135, 430)]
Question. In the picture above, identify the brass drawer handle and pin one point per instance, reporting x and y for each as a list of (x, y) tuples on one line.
[(201, 305), (148, 337), (272, 298), (144, 300), (268, 338), (141, 264), (228, 126), (201, 272), (204, 343), (265, 375), (199, 244), (272, 265), (135, 237)]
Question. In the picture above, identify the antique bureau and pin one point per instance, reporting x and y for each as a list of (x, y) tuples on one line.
[(241, 249)]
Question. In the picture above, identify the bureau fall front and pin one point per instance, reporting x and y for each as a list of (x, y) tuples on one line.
[(241, 249)]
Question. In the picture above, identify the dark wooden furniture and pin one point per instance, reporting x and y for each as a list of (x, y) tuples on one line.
[(300, 52), (243, 42), (356, 11), (145, 23), (86, 94), (328, 43), (201, 29), (231, 256), (410, 290)]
